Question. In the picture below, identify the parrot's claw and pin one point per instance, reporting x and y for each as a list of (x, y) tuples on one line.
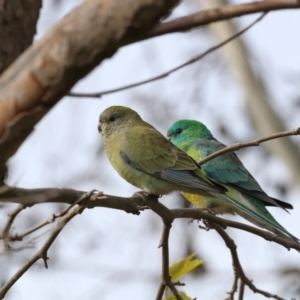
[(144, 196)]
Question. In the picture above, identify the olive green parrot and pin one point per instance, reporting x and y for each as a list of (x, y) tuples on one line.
[(146, 159)]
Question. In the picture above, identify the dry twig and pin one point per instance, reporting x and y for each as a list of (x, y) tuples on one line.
[(131, 205), (167, 219), (167, 73), (42, 252), (237, 267), (256, 142), (4, 235), (205, 17)]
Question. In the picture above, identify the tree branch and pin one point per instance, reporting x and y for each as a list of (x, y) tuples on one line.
[(205, 17), (132, 205), (241, 291), (255, 92), (237, 267), (167, 219), (45, 72), (19, 237), (256, 142), (197, 214), (18, 21), (4, 235), (42, 253), (167, 73)]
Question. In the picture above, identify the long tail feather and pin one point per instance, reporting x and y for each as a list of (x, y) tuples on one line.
[(251, 213)]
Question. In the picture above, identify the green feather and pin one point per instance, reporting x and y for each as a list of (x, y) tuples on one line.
[(244, 195)]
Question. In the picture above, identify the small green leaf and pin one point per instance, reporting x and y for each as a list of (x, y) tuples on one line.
[(184, 266), (182, 294)]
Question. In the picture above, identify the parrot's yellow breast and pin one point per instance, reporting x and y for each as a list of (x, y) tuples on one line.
[(217, 205)]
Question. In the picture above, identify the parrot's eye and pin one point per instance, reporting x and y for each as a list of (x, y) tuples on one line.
[(178, 130), (111, 118)]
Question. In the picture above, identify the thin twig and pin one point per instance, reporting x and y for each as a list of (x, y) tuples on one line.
[(197, 214), (69, 196), (42, 253), (234, 286), (221, 13), (165, 277), (165, 74), (4, 235), (241, 291), (256, 142), (42, 195), (167, 218), (237, 267), (19, 237)]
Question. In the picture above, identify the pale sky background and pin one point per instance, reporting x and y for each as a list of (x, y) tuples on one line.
[(107, 254)]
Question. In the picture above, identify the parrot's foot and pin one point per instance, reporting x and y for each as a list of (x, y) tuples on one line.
[(144, 196), (92, 195)]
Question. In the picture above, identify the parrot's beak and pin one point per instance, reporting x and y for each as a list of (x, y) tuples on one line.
[(99, 127), (168, 136)]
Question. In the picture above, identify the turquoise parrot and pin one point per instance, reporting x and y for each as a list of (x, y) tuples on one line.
[(246, 197), (146, 159)]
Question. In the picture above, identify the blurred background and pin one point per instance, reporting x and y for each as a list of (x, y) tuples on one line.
[(246, 90)]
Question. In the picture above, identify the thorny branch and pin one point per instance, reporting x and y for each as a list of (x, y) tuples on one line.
[(167, 73)]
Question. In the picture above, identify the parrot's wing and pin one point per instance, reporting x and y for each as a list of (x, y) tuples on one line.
[(229, 170), (148, 151)]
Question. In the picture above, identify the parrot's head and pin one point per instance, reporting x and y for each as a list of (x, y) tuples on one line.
[(115, 119), (187, 131)]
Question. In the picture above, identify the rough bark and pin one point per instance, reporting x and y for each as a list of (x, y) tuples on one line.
[(18, 19), (46, 71)]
